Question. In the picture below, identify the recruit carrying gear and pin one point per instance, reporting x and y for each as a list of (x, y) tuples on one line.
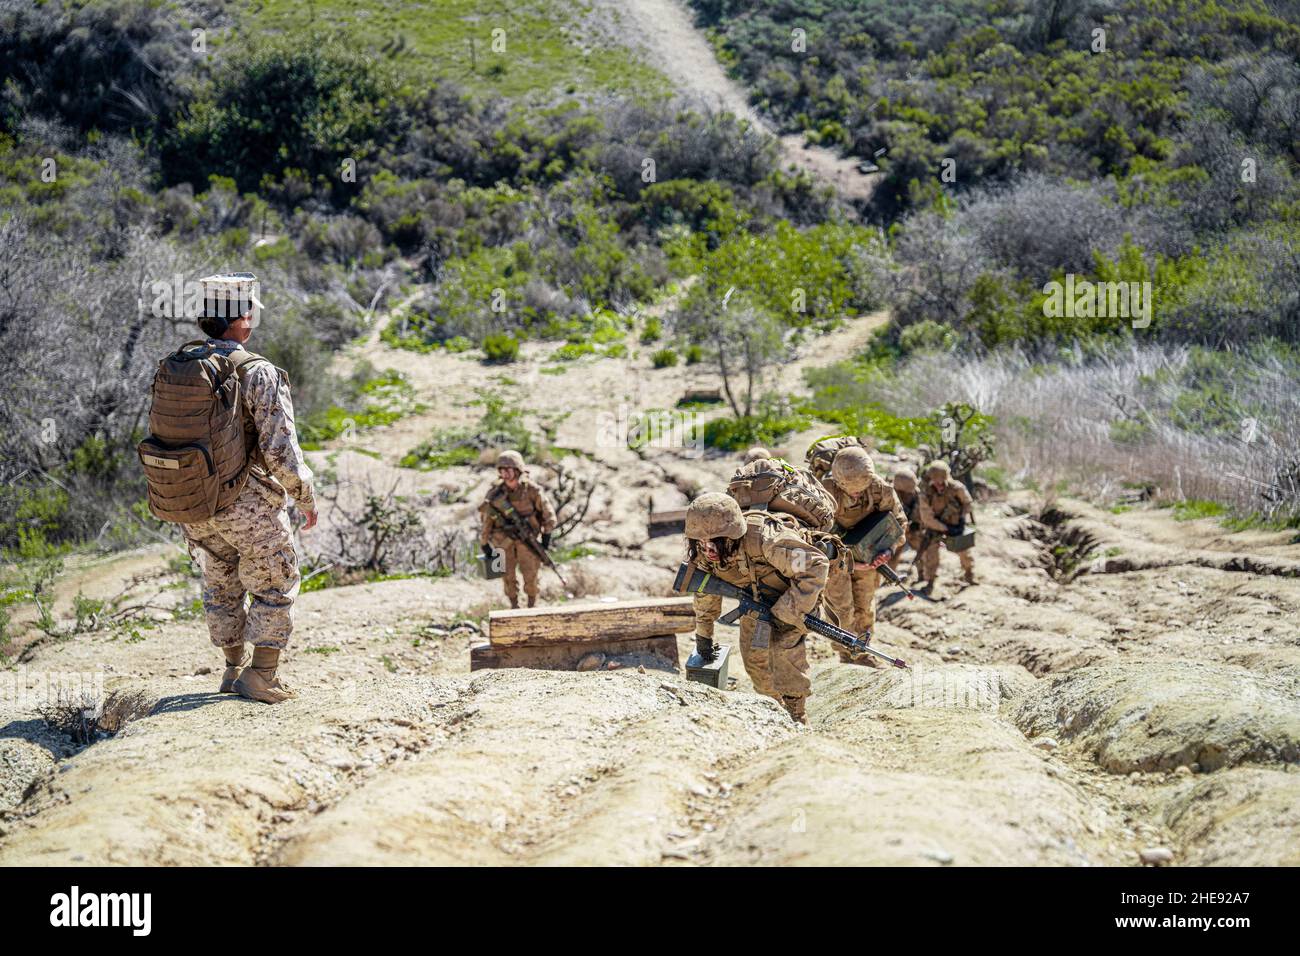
[(770, 484), (197, 456), (822, 452), (852, 469), (714, 515)]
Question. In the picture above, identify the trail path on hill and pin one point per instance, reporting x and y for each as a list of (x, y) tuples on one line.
[(1045, 720), (663, 31), (1116, 684)]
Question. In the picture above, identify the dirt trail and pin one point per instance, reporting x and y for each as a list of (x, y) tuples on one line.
[(1056, 713), (663, 31)]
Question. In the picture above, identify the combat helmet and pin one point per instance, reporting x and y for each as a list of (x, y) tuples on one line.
[(511, 459), (939, 465), (714, 515), (852, 469), (755, 453)]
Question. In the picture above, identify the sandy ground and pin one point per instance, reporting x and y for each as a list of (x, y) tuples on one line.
[(1114, 684)]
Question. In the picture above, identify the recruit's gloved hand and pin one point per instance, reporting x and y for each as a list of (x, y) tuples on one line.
[(546, 539), (957, 529), (705, 647), (487, 551)]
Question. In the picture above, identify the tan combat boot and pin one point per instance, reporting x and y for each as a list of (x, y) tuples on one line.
[(794, 706), (235, 659), (969, 576), (258, 680), (532, 600)]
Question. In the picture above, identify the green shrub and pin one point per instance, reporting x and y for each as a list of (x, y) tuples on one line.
[(769, 426), (501, 348), (664, 358), (927, 335), (572, 351), (652, 332), (306, 101)]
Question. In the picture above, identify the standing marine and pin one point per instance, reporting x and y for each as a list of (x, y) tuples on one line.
[(765, 553), (223, 461), (944, 510), (517, 515)]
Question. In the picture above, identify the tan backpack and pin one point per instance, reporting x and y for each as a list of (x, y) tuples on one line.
[(770, 484), (196, 458), (822, 452)]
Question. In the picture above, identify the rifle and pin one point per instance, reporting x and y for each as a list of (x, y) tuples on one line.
[(518, 528), (691, 580), (894, 578)]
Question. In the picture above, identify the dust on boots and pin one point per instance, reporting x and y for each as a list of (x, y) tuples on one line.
[(794, 706), (235, 659), (258, 681)]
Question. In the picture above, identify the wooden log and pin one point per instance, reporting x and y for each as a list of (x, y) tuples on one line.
[(565, 657), (663, 523), (585, 623), (702, 395)]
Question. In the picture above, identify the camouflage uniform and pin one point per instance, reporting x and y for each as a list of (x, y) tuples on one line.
[(949, 504), (532, 504), (247, 549), (911, 504), (775, 560), (852, 597)]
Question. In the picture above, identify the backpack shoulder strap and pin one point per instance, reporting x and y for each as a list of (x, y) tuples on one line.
[(243, 359)]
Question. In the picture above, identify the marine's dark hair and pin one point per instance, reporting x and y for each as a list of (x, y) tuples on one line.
[(726, 548)]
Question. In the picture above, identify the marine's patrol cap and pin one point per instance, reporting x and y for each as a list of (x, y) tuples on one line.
[(229, 295)]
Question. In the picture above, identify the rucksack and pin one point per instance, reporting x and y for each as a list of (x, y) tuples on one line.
[(196, 458), (822, 452), (770, 484)]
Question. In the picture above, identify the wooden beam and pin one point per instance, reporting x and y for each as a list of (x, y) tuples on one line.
[(666, 522), (702, 395), (584, 623), (565, 657)]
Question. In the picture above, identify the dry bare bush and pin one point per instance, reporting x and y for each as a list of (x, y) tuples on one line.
[(572, 499), (370, 527), (85, 718), (1067, 421), (583, 583)]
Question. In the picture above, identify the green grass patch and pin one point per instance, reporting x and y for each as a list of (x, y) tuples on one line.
[(500, 426), (375, 402), (765, 428), (1193, 508), (546, 46)]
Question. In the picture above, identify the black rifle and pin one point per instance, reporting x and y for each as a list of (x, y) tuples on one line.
[(691, 580), (518, 528)]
